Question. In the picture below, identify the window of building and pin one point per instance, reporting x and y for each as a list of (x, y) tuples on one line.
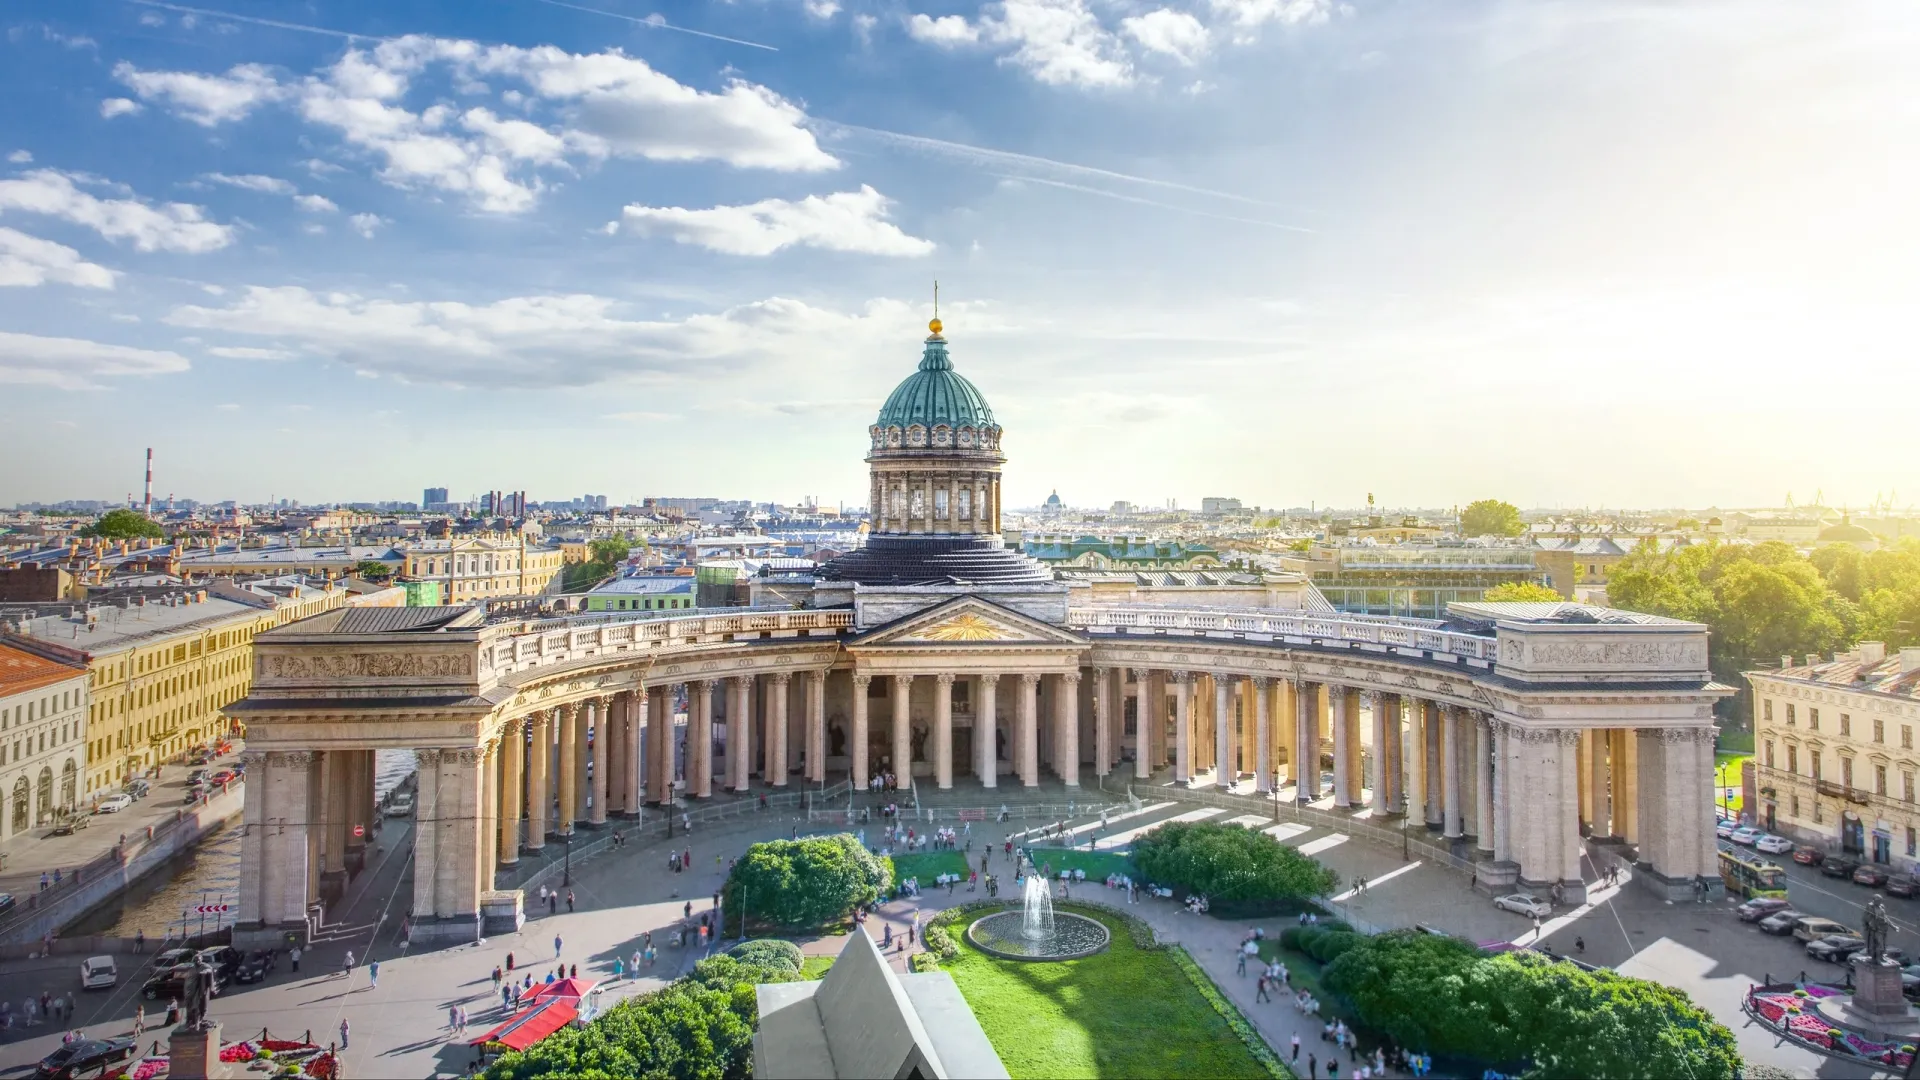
[(1813, 719), (1912, 837), (1846, 724), (1846, 771), (1815, 755), (1906, 785), (1793, 803), (1793, 758), (1766, 709), (1790, 711), (1769, 745), (1879, 779), (1879, 730)]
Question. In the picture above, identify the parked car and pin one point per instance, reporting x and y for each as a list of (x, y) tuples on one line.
[(1809, 856), (87, 1056), (1523, 904), (401, 806), (1835, 947), (68, 826), (255, 968), (6, 901), (170, 957), (1746, 834), (113, 804), (1773, 845), (172, 983), (1781, 922), (1839, 867), (1759, 908), (1724, 828), (98, 973), (1870, 876), (137, 787), (1813, 927), (224, 776), (1902, 885), (224, 959)]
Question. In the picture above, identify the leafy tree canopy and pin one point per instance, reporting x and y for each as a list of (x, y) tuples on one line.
[(807, 882), (124, 524), (1491, 517), (1523, 592), (1236, 868), (372, 570)]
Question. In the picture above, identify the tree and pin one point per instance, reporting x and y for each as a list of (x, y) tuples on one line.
[(372, 570), (124, 524), (1491, 517), (805, 883), (1522, 592), (1238, 870), (1300, 543)]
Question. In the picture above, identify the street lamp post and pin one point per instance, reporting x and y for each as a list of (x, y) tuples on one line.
[(566, 868)]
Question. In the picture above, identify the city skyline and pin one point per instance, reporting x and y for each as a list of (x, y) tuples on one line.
[(1286, 252)]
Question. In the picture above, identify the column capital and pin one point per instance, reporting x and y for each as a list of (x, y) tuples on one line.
[(1101, 671), (567, 710), (1071, 678), (1029, 680), (1371, 697), (706, 685), (291, 759), (781, 678), (902, 682), (254, 760), (1180, 678), (945, 678), (511, 726), (1260, 682), (819, 677), (861, 679), (741, 681), (1140, 674), (990, 680)]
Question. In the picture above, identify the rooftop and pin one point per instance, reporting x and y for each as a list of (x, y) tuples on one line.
[(108, 628), (1866, 668), (1562, 612), (646, 585), (22, 672)]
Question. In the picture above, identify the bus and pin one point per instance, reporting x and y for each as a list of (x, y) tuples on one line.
[(1749, 876)]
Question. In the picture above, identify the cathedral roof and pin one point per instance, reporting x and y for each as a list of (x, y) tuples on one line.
[(936, 394)]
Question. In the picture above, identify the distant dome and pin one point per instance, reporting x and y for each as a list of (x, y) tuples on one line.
[(936, 394), (1053, 501), (1845, 533)]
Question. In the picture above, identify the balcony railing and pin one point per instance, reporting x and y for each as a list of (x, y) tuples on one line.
[(1374, 630)]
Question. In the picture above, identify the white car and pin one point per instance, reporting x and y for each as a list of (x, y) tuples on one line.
[(401, 806), (113, 804), (1746, 835), (1522, 904), (1774, 845), (98, 973), (1724, 828)]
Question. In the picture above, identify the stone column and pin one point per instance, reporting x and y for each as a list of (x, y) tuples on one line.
[(582, 782), (1116, 716), (427, 813), (1387, 722), (1377, 772), (253, 836), (1415, 756), (1483, 782), (857, 750), (336, 787), (1144, 719), (778, 693), (1029, 736), (1436, 773), (1161, 754), (1452, 826), (539, 762), (1257, 690), (1102, 717), (1502, 788), (513, 754), (943, 730), (700, 741), (569, 766), (631, 758), (739, 731), (987, 736), (489, 842), (1568, 867), (1600, 795), (1223, 773), (1182, 728), (1306, 710), (602, 741), (902, 732), (1626, 790), (456, 876), (1342, 789), (1066, 747), (817, 726), (660, 746)]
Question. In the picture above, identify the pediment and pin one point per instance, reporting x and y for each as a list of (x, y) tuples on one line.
[(967, 620)]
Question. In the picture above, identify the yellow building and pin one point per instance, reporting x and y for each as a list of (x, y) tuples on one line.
[(1835, 763), (162, 662), (482, 568)]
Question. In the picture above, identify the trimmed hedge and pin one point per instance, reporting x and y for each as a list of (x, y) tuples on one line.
[(768, 952)]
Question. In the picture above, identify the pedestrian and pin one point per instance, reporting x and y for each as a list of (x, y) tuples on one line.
[(506, 996), (1296, 1049), (1240, 966), (543, 894), (1313, 1067), (453, 1016), (140, 936), (373, 974), (686, 912), (496, 976), (556, 946), (573, 971), (635, 965), (1260, 990), (293, 954), (569, 901), (1580, 944), (173, 1012), (553, 903), (509, 961), (347, 970), (139, 1020), (343, 1032)]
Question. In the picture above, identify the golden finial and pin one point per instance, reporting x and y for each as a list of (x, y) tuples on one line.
[(935, 324)]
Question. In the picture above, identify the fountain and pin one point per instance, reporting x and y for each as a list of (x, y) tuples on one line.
[(1035, 931)]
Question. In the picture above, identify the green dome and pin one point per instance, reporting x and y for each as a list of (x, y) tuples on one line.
[(936, 394)]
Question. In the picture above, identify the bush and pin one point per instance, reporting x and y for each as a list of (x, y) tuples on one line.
[(1443, 996), (939, 942), (1239, 871), (805, 883), (1329, 944), (768, 952), (923, 961)]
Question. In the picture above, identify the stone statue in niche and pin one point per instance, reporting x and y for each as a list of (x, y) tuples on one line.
[(836, 740), (919, 738)]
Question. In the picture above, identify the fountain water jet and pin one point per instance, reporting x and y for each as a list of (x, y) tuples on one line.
[(1035, 931), (1036, 917)]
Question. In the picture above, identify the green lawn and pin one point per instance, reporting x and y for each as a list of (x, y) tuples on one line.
[(1097, 864), (813, 967), (1119, 1013), (927, 865)]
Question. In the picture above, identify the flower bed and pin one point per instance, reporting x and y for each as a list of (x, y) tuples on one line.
[(1789, 1010)]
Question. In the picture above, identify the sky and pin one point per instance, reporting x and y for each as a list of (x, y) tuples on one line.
[(1293, 251)]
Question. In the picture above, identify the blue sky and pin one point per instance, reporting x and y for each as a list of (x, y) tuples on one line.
[(1290, 250)]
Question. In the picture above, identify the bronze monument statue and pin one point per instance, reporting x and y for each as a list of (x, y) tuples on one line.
[(1873, 925)]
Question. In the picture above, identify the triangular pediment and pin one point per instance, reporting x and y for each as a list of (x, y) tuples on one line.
[(967, 620)]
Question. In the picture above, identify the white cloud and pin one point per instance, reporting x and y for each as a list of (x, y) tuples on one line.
[(29, 260), (243, 352), (822, 9), (847, 221), (164, 227), (314, 228), (315, 204), (322, 168), (21, 157), (1168, 32), (863, 25), (1249, 13), (77, 364), (152, 18), (271, 185), (946, 31), (366, 224), (124, 316), (207, 100), (118, 106), (537, 341)]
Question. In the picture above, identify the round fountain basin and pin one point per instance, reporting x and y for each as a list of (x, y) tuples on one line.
[(1073, 936)]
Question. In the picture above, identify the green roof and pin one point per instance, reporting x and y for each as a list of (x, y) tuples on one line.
[(936, 394)]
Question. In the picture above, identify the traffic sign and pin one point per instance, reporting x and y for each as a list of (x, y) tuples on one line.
[(359, 831)]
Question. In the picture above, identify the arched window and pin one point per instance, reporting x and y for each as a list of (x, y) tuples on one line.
[(69, 782), (43, 803), (20, 796)]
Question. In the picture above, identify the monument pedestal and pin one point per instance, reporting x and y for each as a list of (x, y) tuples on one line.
[(193, 1053), (1877, 1007)]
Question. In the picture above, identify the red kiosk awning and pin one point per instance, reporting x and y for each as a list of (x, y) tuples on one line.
[(530, 1025), (564, 989)]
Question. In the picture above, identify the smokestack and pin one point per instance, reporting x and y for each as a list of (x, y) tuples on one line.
[(148, 506)]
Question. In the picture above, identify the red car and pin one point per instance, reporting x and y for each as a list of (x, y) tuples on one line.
[(224, 776), (1809, 856)]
